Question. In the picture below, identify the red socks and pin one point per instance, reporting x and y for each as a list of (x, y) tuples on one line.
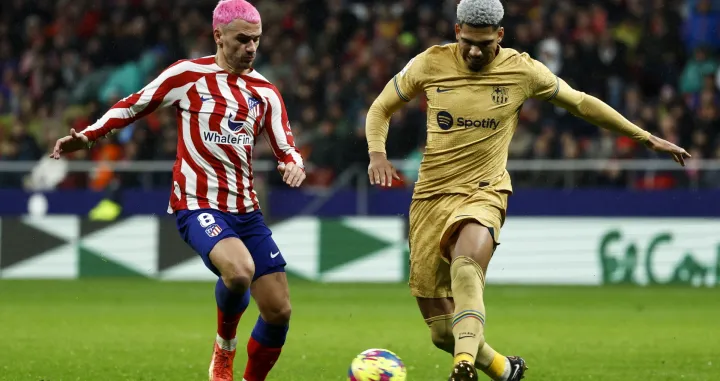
[(227, 324), (261, 359)]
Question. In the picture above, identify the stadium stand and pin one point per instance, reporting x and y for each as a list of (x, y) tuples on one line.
[(63, 63)]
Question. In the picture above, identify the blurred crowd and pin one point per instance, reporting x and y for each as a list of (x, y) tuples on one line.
[(65, 62)]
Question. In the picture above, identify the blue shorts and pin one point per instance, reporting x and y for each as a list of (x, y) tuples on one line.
[(202, 229)]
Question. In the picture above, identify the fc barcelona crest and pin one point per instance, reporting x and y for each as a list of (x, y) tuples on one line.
[(500, 95)]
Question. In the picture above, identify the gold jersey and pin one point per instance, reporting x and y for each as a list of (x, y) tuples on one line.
[(471, 116)]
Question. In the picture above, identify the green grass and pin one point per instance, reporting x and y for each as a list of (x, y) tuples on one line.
[(145, 330)]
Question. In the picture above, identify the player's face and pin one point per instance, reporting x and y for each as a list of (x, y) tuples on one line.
[(478, 45), (238, 42)]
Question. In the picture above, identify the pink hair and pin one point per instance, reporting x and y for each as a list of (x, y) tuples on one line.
[(228, 11)]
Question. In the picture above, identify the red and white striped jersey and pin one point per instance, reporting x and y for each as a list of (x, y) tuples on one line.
[(219, 117)]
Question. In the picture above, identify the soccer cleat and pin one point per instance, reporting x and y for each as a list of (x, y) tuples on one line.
[(221, 365), (463, 371), (517, 368)]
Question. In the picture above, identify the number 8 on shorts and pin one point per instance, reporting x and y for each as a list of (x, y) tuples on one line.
[(206, 219)]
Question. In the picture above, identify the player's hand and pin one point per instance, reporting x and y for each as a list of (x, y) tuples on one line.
[(292, 174), (71, 143), (662, 145), (381, 171)]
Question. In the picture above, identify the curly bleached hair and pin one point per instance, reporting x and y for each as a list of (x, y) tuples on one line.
[(480, 13)]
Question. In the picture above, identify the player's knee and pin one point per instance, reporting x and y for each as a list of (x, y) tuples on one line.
[(279, 314), (238, 279), (234, 263), (480, 254), (238, 282), (441, 335), (475, 242)]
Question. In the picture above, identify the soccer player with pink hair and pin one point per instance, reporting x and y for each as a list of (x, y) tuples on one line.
[(223, 106)]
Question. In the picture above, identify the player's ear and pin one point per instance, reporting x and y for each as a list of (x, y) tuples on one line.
[(457, 32), (217, 37), (501, 34)]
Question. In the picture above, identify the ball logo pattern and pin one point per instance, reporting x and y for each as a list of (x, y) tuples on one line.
[(377, 365)]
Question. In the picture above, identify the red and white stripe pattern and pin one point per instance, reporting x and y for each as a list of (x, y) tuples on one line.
[(219, 117)]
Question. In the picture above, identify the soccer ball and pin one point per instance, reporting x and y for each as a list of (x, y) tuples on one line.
[(377, 365)]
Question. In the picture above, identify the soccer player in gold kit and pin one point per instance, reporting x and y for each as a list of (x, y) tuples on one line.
[(474, 89)]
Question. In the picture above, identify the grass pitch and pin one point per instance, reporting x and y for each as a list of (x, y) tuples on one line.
[(114, 330)]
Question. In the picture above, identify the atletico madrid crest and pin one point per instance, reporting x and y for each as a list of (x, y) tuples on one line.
[(213, 231)]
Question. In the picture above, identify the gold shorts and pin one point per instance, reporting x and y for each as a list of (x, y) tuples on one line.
[(433, 221)]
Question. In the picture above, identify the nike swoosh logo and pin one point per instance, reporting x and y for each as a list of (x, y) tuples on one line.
[(515, 371), (203, 99), (441, 90), (273, 255)]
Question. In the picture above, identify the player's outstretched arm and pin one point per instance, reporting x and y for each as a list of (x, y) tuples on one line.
[(162, 91), (377, 124), (597, 112), (282, 141)]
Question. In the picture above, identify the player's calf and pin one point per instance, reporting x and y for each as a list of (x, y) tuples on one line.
[(469, 318), (441, 332), (471, 250), (268, 337), (230, 307)]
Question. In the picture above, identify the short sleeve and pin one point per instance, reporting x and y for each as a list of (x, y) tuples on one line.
[(410, 81), (542, 83)]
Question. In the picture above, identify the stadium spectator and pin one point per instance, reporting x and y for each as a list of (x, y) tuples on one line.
[(63, 60)]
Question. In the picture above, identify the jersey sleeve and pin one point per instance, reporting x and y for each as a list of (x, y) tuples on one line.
[(410, 81), (277, 127), (542, 83), (161, 92)]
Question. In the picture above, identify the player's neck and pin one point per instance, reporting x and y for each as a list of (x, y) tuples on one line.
[(220, 61), (488, 66)]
